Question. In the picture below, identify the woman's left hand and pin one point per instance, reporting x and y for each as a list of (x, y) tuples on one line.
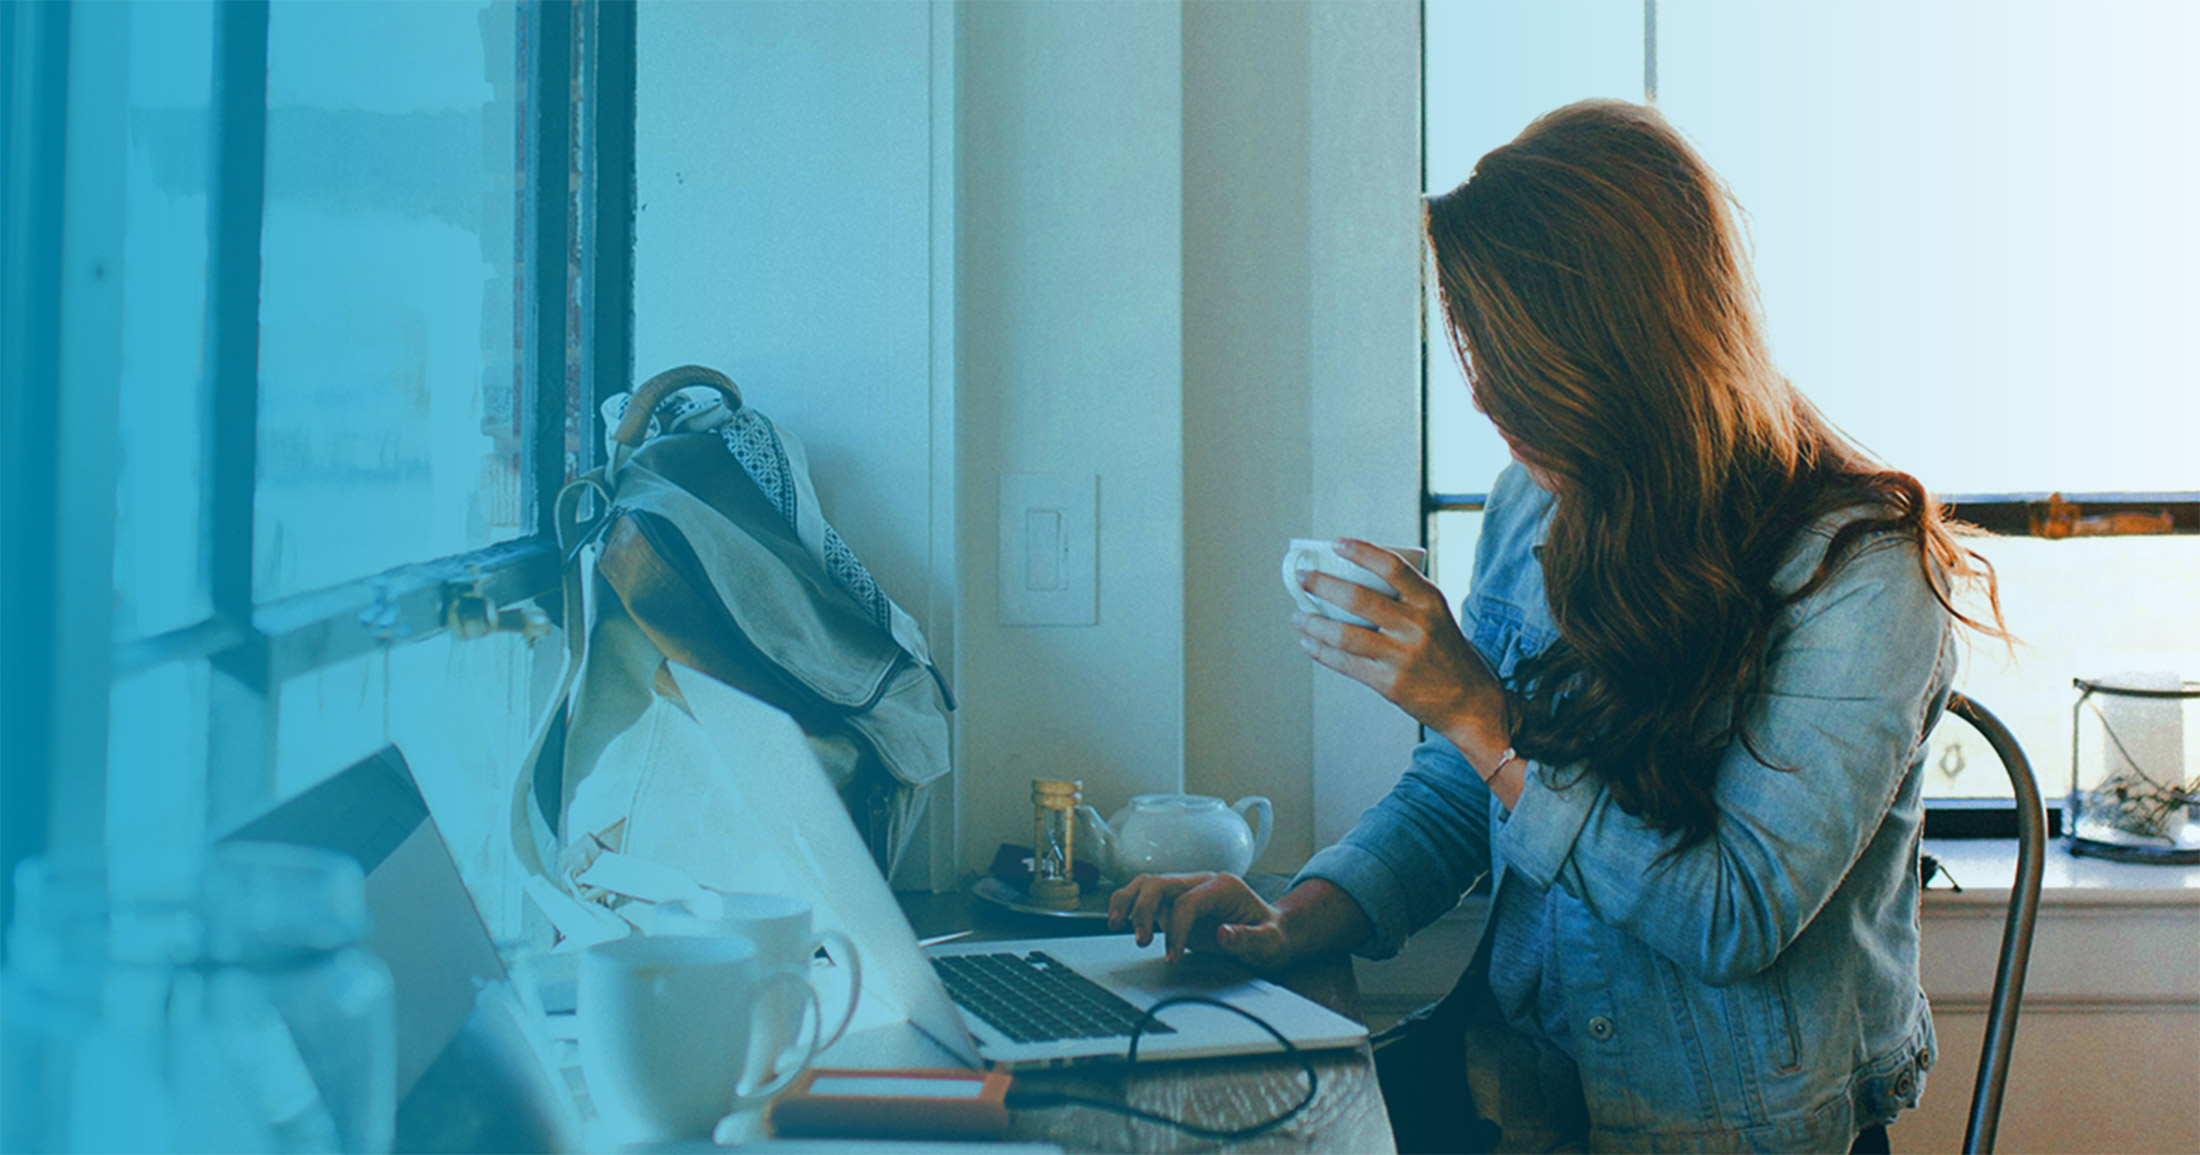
[(1415, 656)]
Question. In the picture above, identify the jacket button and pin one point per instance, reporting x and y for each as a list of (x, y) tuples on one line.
[(1600, 1028), (1904, 1083)]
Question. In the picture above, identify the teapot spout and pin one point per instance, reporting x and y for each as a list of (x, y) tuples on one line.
[(1096, 840)]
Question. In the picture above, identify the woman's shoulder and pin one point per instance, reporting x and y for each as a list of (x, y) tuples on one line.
[(1515, 500), (1514, 517), (1866, 546)]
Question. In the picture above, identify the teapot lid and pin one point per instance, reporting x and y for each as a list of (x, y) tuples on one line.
[(1175, 802)]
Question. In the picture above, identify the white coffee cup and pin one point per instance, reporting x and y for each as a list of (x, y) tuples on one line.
[(1321, 556), (673, 1032), (779, 925)]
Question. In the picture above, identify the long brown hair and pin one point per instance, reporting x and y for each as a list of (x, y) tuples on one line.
[(1597, 293)]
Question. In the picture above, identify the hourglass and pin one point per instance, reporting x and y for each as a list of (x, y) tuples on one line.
[(1053, 843)]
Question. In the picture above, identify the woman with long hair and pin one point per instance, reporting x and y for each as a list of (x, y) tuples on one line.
[(1680, 720)]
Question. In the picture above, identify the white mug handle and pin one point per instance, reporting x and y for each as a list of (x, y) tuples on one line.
[(1299, 597), (783, 1072), (842, 949)]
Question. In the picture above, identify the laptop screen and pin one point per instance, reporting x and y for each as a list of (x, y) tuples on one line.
[(794, 838)]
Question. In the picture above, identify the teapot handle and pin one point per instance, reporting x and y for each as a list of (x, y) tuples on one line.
[(1247, 808)]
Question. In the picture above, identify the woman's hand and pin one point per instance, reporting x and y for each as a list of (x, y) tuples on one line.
[(1207, 912), (1415, 656), (1218, 912)]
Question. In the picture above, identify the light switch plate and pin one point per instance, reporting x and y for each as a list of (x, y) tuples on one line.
[(1050, 549)]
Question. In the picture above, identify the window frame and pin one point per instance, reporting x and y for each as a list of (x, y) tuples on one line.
[(577, 338)]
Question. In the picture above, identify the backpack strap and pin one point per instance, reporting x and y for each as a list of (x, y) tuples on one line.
[(634, 425), (534, 842)]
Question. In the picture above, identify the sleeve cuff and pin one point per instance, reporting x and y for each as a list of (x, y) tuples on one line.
[(1540, 833), (1371, 883)]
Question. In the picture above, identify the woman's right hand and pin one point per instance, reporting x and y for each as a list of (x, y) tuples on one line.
[(1205, 912), (1218, 912)]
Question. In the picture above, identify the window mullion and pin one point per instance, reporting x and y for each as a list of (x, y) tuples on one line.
[(313, 631), (241, 762), (609, 356), (87, 382), (30, 327), (548, 258), (233, 301)]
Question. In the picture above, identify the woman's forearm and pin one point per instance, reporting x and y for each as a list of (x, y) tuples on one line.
[(1319, 918)]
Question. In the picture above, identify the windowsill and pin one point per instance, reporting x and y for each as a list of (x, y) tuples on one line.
[(1986, 868)]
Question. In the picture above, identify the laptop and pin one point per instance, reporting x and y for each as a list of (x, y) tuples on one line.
[(1079, 996)]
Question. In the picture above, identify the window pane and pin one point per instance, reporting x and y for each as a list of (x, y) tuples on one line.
[(1451, 538), (462, 713), (391, 303), (1490, 68), (159, 581), (1973, 223), (2087, 608)]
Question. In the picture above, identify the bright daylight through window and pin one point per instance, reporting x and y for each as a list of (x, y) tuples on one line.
[(1977, 261)]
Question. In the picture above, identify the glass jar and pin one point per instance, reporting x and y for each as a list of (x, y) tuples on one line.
[(2135, 769), (86, 1041), (303, 1013)]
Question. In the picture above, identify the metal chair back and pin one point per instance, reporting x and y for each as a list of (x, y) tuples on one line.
[(2016, 930)]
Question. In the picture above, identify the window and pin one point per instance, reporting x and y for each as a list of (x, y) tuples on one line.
[(334, 289), (1973, 244)]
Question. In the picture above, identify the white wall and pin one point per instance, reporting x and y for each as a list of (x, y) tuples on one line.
[(791, 221), (1247, 410), (1364, 352), (1189, 264), (783, 234), (1070, 345), (1175, 246)]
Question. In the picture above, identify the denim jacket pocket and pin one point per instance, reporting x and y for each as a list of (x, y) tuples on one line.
[(1777, 1033)]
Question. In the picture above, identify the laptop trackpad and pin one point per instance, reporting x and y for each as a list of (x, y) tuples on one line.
[(1195, 974)]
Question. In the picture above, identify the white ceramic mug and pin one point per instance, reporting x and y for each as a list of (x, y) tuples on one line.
[(674, 1032), (1321, 556), (779, 925)]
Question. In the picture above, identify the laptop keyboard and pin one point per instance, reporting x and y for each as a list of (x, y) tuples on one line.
[(1034, 998)]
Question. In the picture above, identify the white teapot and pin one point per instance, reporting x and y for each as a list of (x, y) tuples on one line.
[(1173, 833)]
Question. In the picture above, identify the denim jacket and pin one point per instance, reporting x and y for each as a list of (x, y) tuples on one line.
[(1758, 990)]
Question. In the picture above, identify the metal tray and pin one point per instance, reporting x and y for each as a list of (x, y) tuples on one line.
[(1092, 904)]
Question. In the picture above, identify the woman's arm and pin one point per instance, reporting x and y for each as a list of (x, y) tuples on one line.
[(1848, 692), (1412, 854), (1401, 867)]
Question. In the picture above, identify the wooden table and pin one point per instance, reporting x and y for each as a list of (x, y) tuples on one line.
[(1346, 1115)]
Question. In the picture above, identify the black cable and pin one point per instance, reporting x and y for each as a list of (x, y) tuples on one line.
[(1042, 1099)]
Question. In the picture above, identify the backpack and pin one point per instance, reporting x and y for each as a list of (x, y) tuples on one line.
[(701, 541)]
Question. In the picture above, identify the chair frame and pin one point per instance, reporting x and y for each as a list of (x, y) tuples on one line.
[(2016, 931)]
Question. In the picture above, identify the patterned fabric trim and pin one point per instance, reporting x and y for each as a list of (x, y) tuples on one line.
[(842, 563), (755, 444)]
